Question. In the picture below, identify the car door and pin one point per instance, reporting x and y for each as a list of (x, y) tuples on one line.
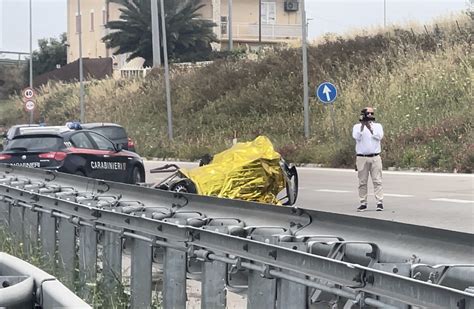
[(82, 154), (110, 163)]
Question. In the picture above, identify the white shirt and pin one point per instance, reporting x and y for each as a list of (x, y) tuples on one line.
[(366, 142)]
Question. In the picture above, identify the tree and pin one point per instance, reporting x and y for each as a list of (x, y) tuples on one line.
[(188, 37), (12, 78), (51, 53)]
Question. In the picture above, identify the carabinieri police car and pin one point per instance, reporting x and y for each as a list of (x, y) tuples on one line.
[(70, 149)]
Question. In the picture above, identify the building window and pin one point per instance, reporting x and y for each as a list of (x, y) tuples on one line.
[(104, 16), (78, 23), (268, 12), (223, 24), (92, 20)]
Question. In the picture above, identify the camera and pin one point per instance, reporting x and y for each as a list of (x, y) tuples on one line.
[(366, 116)]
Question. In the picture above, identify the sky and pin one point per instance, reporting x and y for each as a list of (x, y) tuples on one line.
[(334, 16)]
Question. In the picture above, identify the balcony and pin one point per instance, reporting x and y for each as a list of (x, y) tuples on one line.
[(270, 32)]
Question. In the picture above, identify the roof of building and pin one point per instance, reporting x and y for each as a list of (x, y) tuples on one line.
[(94, 68)]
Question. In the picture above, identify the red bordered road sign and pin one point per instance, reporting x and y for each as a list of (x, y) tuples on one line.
[(28, 93), (29, 105)]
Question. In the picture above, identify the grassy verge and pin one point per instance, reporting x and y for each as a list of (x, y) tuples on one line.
[(420, 83)]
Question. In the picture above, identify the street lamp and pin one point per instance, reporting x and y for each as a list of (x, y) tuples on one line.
[(81, 69), (260, 22), (229, 23), (155, 33), (305, 70), (167, 71)]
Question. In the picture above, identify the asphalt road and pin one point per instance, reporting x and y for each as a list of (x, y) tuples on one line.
[(440, 200)]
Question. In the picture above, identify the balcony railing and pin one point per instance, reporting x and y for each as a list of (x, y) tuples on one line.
[(250, 31)]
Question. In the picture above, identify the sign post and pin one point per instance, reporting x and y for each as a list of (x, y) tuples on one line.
[(327, 94), (28, 99), (30, 90)]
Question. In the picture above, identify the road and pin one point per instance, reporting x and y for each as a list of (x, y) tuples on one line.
[(444, 201)]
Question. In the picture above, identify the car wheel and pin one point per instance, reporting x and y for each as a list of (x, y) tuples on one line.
[(184, 186), (136, 175)]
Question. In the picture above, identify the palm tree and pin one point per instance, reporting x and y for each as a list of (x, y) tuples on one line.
[(188, 37)]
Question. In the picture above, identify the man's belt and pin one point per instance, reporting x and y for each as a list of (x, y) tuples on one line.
[(368, 155)]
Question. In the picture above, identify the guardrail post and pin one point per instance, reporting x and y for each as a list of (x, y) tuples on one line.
[(67, 250), (48, 238), (402, 269), (213, 291), (16, 222), (174, 279), (87, 260), (141, 274), (30, 230), (112, 260), (290, 294), (4, 212), (261, 292)]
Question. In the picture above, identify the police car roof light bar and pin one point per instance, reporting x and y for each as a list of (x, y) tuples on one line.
[(74, 125)]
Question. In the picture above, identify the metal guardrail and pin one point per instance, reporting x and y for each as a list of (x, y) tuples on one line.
[(25, 286), (287, 257)]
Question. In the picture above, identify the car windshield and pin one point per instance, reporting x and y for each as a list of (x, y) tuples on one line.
[(35, 143), (111, 132)]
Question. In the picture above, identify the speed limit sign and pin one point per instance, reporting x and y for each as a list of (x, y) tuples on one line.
[(28, 93), (30, 105)]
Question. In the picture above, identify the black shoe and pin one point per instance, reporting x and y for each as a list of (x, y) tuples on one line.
[(379, 207), (362, 207)]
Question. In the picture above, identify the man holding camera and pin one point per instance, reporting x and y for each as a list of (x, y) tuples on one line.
[(368, 135)]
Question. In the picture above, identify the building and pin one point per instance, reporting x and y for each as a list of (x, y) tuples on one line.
[(280, 22), (95, 14)]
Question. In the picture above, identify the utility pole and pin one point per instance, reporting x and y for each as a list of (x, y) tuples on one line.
[(155, 31), (385, 14), (305, 70), (31, 57), (81, 68), (167, 72), (260, 21), (229, 24)]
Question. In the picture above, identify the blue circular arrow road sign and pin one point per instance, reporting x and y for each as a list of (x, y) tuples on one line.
[(326, 92)]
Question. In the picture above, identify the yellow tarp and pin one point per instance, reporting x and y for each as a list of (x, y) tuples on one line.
[(248, 171)]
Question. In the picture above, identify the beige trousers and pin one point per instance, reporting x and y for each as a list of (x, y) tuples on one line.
[(372, 166)]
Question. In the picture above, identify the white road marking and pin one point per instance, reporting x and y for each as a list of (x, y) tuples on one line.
[(398, 195), (345, 191), (402, 173), (333, 191), (452, 200)]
